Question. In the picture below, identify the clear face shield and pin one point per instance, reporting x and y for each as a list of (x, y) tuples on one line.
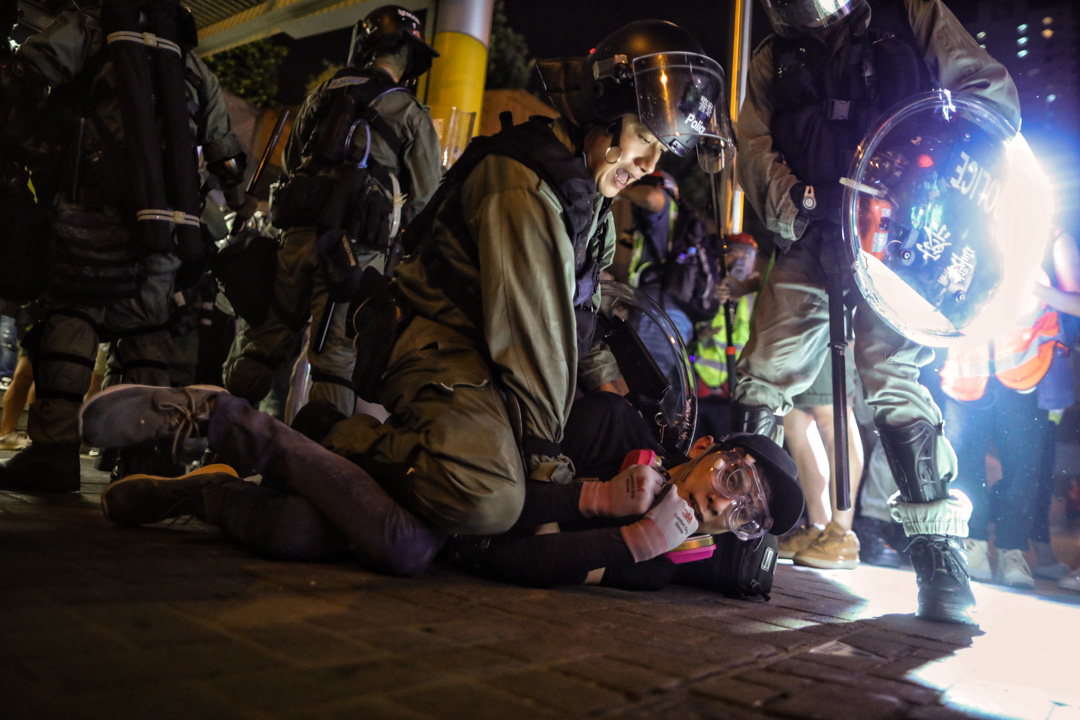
[(946, 216), (793, 18), (681, 99)]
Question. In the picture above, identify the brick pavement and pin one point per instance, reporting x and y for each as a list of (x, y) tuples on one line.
[(175, 622)]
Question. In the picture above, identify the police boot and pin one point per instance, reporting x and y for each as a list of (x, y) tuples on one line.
[(756, 419), (939, 561), (43, 467)]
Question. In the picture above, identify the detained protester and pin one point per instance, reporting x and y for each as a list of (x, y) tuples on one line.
[(361, 161), (488, 336), (815, 88), (109, 130), (593, 532)]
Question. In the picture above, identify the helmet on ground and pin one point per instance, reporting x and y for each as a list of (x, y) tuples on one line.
[(792, 18), (385, 30), (652, 68)]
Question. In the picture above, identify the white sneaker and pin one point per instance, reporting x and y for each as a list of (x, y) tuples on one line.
[(1013, 570), (16, 440), (1070, 582), (978, 552)]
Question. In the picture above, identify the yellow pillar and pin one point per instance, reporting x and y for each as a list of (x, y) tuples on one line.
[(456, 81)]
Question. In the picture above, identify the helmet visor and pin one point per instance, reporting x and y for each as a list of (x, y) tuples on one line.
[(792, 18), (680, 98)]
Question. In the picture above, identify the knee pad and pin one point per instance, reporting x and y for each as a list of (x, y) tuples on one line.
[(911, 450), (249, 378), (62, 350)]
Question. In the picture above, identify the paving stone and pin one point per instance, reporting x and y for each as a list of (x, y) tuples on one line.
[(631, 680), (288, 689), (566, 694), (824, 701), (379, 708), (474, 700), (736, 690)]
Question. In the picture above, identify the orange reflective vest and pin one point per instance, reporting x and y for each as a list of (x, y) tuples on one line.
[(1020, 360)]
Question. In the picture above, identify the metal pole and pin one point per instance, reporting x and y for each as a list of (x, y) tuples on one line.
[(741, 12)]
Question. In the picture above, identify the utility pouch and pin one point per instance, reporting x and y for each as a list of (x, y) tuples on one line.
[(377, 318), (246, 270), (298, 200)]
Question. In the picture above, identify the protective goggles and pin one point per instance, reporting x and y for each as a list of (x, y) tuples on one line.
[(735, 477)]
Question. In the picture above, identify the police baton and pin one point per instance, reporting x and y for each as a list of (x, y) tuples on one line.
[(839, 322), (275, 136)]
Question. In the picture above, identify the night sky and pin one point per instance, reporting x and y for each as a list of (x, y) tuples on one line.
[(554, 28)]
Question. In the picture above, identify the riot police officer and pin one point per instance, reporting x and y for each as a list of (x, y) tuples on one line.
[(362, 158), (115, 161), (815, 86)]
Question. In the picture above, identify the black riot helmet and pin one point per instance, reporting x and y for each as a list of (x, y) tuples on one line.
[(385, 30), (652, 68), (793, 18)]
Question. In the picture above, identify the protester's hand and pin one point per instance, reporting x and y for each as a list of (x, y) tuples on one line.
[(631, 492), (723, 290), (663, 528)]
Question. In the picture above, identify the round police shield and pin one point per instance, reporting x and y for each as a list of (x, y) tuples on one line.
[(946, 214), (653, 361)]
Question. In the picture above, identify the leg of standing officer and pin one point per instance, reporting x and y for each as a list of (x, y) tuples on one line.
[(789, 333), (923, 464)]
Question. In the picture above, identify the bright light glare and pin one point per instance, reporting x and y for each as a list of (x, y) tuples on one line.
[(1024, 225), (1022, 666)]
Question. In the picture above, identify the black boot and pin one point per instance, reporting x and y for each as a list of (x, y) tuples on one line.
[(43, 467), (940, 561), (940, 564)]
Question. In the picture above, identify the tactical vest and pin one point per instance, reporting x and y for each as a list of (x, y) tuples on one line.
[(534, 145), (819, 115), (336, 159)]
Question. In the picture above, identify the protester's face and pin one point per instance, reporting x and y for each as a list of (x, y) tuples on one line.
[(640, 151), (701, 481), (696, 488), (740, 260)]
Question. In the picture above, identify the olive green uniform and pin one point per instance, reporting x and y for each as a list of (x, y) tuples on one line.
[(450, 437)]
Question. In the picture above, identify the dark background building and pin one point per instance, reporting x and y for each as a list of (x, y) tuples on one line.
[(1037, 41)]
